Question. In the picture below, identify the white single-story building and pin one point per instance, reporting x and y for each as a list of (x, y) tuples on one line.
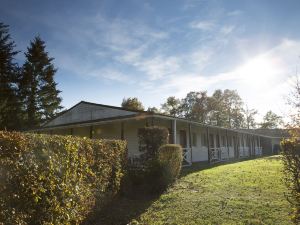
[(200, 142)]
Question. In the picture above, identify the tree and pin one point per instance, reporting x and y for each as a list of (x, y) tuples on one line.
[(153, 109), (171, 106), (195, 106), (250, 117), (271, 121), (39, 93), (217, 115), (132, 104), (9, 104)]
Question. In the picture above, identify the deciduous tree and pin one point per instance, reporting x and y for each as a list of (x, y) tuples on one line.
[(271, 120), (132, 104)]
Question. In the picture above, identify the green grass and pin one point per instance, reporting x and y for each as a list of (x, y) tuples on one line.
[(247, 192)]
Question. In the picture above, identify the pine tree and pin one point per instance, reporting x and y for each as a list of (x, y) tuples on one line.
[(38, 89), (9, 105)]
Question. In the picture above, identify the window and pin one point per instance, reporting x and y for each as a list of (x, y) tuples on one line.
[(204, 140), (194, 139)]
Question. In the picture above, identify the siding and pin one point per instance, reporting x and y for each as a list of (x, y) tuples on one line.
[(85, 112)]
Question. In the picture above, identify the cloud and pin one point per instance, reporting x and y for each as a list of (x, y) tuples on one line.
[(262, 81), (227, 29), (235, 13), (207, 25)]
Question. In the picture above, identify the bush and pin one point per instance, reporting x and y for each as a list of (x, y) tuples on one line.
[(56, 179), (291, 160), (150, 139), (170, 160)]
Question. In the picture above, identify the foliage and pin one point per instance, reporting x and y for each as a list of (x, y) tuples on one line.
[(153, 110), (9, 104), (56, 179), (291, 160), (132, 104), (170, 160), (250, 117), (150, 139), (37, 86), (171, 106), (223, 108), (271, 121)]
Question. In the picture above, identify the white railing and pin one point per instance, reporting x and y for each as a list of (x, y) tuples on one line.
[(214, 154), (241, 152), (246, 151), (187, 157), (224, 153), (258, 150)]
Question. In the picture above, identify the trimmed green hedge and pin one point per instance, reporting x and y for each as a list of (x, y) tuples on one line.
[(170, 160), (150, 139), (56, 179), (291, 161)]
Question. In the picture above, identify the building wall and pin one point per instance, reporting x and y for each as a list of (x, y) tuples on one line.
[(221, 138)]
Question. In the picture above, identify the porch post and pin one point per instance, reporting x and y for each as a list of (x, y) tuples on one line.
[(208, 144), (190, 140), (174, 131), (227, 143), (91, 132), (122, 130)]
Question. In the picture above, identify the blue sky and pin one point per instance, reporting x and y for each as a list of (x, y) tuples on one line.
[(106, 50)]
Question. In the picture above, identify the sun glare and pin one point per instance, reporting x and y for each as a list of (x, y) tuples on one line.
[(260, 69)]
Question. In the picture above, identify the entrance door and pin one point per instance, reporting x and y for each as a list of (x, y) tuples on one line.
[(182, 138)]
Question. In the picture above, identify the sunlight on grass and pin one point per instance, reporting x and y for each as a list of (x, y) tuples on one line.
[(248, 192)]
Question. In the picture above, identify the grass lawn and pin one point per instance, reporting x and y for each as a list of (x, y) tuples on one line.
[(247, 192)]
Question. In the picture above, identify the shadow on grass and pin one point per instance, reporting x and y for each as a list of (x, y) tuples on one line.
[(124, 209)]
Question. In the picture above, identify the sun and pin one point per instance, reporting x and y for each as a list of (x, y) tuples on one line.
[(261, 68)]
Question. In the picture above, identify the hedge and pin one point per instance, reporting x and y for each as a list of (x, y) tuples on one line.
[(170, 160), (150, 139), (56, 179), (291, 161)]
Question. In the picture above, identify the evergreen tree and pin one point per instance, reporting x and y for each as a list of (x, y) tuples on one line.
[(38, 89), (9, 105)]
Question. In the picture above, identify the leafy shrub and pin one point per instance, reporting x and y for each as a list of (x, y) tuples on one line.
[(170, 160), (56, 179), (150, 139), (291, 160)]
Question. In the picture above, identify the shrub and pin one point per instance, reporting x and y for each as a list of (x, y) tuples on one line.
[(170, 160), (291, 160), (56, 179), (150, 139)]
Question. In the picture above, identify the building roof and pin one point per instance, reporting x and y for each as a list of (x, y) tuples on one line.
[(88, 113), (275, 133)]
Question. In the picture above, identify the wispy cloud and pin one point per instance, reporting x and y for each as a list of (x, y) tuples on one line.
[(227, 29), (207, 25), (235, 13)]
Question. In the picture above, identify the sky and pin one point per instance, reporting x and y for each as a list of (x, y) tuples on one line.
[(106, 50)]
